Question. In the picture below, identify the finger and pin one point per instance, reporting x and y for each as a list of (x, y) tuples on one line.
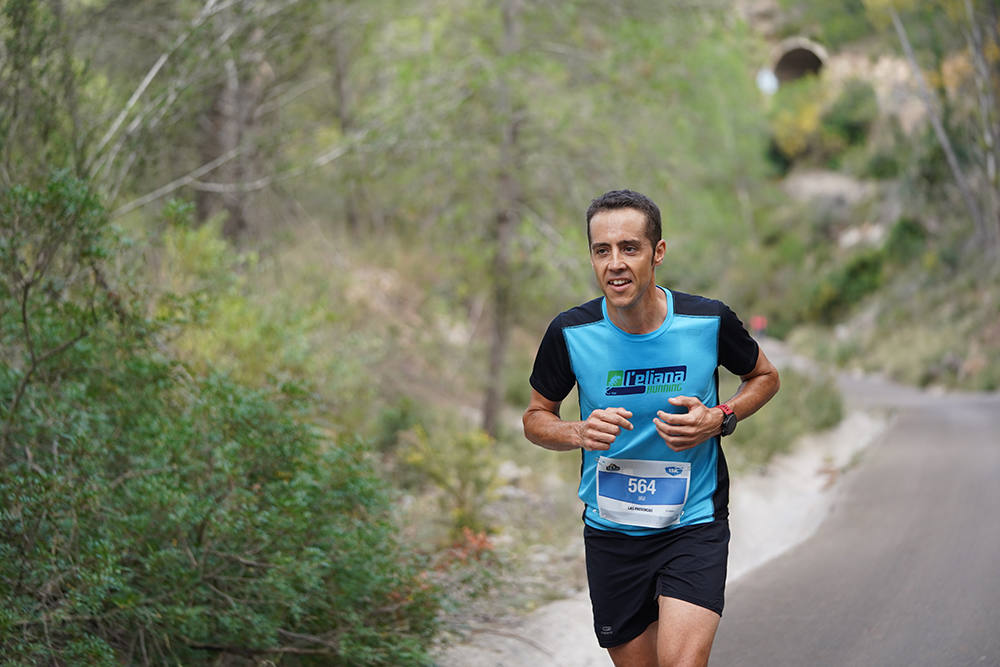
[(677, 438), (684, 401), (604, 425), (676, 418), (620, 416), (617, 416), (672, 430), (597, 440), (665, 430)]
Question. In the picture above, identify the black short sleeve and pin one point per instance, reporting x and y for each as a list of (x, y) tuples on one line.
[(552, 375), (737, 349)]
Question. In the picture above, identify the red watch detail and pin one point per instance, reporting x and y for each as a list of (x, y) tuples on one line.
[(726, 410)]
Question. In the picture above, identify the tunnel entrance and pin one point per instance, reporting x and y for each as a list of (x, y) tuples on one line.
[(798, 57)]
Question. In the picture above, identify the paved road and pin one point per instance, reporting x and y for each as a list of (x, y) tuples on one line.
[(906, 568)]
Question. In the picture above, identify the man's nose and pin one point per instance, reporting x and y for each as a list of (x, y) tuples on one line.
[(617, 260)]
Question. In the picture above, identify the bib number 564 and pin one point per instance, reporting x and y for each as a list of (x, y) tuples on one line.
[(639, 485)]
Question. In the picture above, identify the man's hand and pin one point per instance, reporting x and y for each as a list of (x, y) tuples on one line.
[(686, 430), (601, 428)]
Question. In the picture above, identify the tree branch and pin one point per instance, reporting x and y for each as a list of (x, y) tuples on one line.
[(191, 178), (35, 362), (210, 8), (942, 136), (250, 652), (176, 184), (239, 559)]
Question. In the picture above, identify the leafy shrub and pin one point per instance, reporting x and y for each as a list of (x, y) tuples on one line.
[(805, 404), (835, 293), (833, 24), (795, 118), (883, 164), (463, 466), (907, 240), (806, 127), (393, 420), (149, 516), (851, 115), (929, 168)]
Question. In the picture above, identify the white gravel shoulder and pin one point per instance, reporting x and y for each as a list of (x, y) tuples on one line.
[(770, 512)]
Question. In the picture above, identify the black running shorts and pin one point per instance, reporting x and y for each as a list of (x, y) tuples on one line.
[(627, 574)]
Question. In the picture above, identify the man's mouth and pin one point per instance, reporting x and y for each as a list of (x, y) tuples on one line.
[(619, 282)]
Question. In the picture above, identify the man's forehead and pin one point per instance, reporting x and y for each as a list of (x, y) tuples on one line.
[(617, 225), (626, 215)]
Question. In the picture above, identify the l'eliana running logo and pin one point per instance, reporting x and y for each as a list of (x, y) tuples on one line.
[(665, 379)]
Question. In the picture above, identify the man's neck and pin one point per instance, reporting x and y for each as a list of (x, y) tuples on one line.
[(643, 317)]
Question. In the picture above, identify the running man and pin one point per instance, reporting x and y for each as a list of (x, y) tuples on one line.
[(654, 480)]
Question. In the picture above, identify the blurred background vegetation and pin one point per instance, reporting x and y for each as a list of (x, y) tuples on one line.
[(273, 274)]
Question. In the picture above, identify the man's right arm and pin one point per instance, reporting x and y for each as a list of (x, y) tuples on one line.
[(544, 427)]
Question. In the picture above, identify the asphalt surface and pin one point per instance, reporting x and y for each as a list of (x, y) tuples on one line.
[(905, 570)]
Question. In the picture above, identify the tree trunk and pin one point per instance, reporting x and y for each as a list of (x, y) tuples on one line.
[(343, 110), (229, 128), (505, 220)]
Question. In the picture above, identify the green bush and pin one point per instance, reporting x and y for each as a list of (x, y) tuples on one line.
[(835, 24), (149, 516), (851, 115), (806, 126), (805, 404), (795, 118), (463, 465), (838, 291), (883, 165), (907, 240), (267, 319)]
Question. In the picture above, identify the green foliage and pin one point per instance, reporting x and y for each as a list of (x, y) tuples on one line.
[(809, 126), (907, 239), (394, 420), (834, 24), (521, 364), (805, 404), (895, 339), (198, 518), (930, 167), (796, 111), (838, 291), (38, 95), (463, 467), (883, 164), (850, 116), (150, 516), (233, 316)]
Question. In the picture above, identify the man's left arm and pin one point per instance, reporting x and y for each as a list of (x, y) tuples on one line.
[(686, 430)]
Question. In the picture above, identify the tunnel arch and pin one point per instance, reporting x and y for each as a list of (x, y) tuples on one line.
[(797, 57)]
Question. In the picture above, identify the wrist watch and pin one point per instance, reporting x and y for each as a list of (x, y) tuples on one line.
[(728, 420)]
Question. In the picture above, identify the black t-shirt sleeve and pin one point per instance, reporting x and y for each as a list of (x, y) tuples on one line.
[(737, 349), (552, 375)]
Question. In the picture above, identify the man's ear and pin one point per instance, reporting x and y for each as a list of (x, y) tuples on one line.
[(659, 250)]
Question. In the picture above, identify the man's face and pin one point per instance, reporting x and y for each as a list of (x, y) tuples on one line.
[(623, 256)]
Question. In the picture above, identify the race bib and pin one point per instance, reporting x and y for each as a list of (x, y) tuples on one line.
[(642, 493)]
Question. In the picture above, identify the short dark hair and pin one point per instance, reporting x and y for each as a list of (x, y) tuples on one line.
[(615, 199)]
